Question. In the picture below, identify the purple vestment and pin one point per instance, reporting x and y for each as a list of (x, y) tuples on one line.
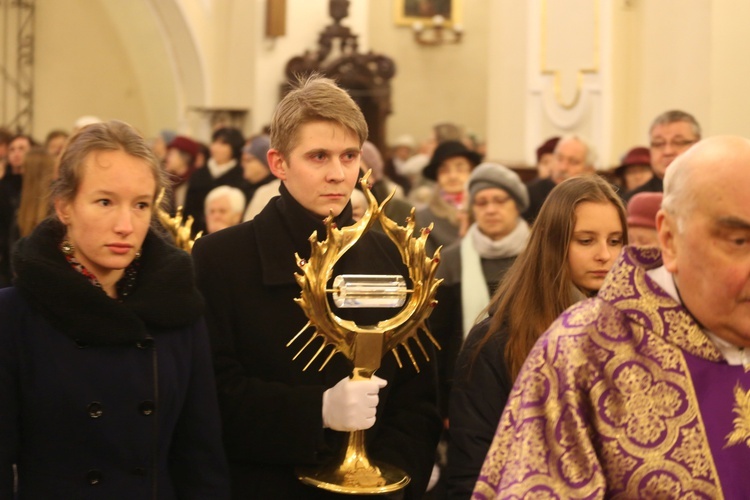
[(623, 397)]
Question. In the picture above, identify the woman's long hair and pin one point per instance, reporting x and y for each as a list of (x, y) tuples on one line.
[(538, 287), (34, 207)]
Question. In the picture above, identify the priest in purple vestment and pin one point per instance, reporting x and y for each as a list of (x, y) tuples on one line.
[(644, 390)]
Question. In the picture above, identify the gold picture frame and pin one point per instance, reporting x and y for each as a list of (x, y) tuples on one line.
[(408, 12)]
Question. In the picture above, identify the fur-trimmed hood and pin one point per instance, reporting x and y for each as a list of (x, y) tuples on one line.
[(164, 296)]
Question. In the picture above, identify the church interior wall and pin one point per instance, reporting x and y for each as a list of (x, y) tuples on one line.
[(148, 61)]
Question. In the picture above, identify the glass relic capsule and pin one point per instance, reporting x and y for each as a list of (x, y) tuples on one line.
[(369, 290)]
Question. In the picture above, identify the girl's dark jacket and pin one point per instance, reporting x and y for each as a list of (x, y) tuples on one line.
[(101, 398), (271, 408), (480, 390)]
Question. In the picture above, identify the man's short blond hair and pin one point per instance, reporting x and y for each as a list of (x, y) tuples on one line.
[(314, 98)]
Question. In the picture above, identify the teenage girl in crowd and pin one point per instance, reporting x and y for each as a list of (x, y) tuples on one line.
[(574, 241)]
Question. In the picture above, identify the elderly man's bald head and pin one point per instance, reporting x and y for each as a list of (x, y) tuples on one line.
[(704, 233), (703, 168)]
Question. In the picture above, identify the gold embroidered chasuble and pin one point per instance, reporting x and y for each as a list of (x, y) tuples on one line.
[(623, 397)]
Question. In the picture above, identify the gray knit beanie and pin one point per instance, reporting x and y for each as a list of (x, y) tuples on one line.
[(494, 175), (258, 147)]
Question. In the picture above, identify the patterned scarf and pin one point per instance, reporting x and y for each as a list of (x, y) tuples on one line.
[(123, 286)]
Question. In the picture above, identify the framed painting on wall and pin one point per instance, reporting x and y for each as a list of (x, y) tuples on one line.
[(427, 12)]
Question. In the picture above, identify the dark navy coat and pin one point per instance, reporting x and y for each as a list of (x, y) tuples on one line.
[(106, 399)]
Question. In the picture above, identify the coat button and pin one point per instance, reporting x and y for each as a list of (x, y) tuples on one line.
[(145, 343), (139, 471), (146, 407), (94, 477), (95, 409)]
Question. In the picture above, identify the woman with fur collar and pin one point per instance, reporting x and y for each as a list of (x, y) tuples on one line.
[(106, 384)]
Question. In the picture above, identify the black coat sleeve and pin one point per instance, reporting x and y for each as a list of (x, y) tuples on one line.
[(480, 392)]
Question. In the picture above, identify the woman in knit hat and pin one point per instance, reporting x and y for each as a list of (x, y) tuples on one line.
[(472, 267), (261, 184), (382, 186), (450, 167), (255, 160)]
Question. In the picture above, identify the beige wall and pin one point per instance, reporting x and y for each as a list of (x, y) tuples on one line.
[(507, 69), (675, 59), (305, 20), (729, 70), (435, 84), (147, 61), (653, 56), (83, 65)]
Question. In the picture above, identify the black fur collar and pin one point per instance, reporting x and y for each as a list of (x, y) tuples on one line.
[(164, 296)]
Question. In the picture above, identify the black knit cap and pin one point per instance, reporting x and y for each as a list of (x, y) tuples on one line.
[(445, 151)]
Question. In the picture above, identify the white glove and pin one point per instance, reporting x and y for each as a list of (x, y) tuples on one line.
[(350, 405)]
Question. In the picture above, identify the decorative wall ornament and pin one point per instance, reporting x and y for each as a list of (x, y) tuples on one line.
[(557, 72), (17, 65), (365, 76), (409, 12), (567, 81), (438, 33)]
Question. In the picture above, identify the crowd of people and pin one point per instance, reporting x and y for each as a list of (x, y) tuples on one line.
[(592, 328)]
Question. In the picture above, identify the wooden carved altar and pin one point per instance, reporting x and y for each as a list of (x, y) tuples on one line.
[(365, 76)]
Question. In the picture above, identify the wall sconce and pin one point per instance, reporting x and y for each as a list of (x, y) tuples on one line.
[(437, 33)]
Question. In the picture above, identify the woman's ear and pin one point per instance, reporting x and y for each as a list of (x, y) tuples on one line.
[(62, 209)]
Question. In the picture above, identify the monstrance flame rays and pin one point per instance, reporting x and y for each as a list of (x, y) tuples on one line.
[(177, 227), (341, 334), (364, 346)]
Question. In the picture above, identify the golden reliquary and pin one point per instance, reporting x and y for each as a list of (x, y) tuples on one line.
[(365, 346), (178, 227)]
